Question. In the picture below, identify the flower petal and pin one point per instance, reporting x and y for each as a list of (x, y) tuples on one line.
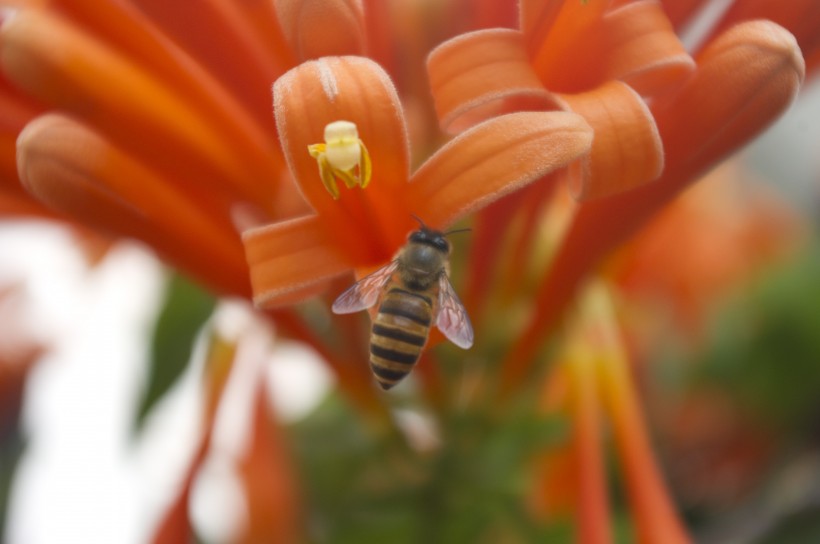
[(564, 32), (627, 150), (14, 204), (483, 74), (536, 19), (642, 48), (355, 89), (322, 28), (493, 159), (290, 260), (249, 50), (800, 17), (745, 79), (634, 42), (62, 66), (74, 170), (130, 31)]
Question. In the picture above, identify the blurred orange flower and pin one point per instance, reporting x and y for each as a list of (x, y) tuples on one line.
[(704, 245)]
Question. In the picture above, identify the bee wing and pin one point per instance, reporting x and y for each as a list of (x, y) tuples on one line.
[(364, 293), (452, 318)]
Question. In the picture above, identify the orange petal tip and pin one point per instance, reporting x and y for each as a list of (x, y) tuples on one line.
[(290, 261), (746, 78), (483, 74), (495, 158), (627, 151), (765, 38), (323, 28)]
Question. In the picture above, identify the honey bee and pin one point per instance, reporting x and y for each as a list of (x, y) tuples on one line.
[(413, 292)]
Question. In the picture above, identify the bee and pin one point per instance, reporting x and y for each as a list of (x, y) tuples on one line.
[(413, 292)]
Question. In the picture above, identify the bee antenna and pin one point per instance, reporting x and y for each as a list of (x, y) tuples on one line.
[(416, 217), (449, 232)]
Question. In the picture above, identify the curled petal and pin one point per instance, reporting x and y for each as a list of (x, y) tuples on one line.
[(72, 169), (290, 261), (494, 158), (483, 74), (355, 89), (323, 28), (633, 42), (800, 17), (642, 47), (65, 67), (627, 150), (745, 79)]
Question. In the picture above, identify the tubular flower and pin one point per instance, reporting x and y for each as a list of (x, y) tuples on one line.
[(598, 389), (363, 227), (596, 58), (160, 132), (655, 111)]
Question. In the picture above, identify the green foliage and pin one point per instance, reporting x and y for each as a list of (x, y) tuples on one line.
[(765, 349), (185, 309), (364, 488), (800, 528), (11, 449)]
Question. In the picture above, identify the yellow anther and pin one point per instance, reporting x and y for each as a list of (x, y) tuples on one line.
[(343, 156)]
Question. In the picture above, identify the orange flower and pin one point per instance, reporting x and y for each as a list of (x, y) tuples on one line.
[(599, 58), (161, 133), (588, 57), (698, 127), (143, 148), (365, 226)]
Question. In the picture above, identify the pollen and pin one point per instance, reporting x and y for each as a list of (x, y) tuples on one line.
[(342, 156)]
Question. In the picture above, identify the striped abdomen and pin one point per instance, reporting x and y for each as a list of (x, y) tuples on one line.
[(399, 333)]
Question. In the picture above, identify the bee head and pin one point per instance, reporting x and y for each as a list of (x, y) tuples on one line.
[(430, 237)]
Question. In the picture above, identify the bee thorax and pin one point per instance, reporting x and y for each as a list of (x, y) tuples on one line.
[(420, 265)]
